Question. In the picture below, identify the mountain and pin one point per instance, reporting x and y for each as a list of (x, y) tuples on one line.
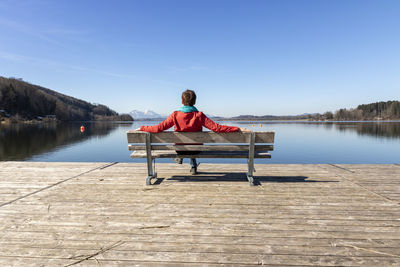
[(21, 100), (145, 115)]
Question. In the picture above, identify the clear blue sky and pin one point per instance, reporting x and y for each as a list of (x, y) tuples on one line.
[(241, 57)]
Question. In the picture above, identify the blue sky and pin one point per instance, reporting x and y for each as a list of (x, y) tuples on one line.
[(241, 57)]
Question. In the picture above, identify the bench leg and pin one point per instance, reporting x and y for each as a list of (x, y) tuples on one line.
[(148, 179), (151, 172), (250, 161), (150, 167), (251, 180)]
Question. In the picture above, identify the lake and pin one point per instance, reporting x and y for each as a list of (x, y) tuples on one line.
[(295, 142)]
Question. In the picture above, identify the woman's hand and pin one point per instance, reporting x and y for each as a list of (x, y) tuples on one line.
[(244, 130)]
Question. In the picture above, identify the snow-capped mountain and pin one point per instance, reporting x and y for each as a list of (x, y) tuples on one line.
[(147, 114)]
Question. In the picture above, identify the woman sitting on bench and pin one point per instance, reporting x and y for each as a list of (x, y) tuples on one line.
[(189, 119)]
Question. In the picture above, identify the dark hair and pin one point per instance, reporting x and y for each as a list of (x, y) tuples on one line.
[(189, 98)]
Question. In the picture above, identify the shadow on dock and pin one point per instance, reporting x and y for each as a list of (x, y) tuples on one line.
[(241, 177)]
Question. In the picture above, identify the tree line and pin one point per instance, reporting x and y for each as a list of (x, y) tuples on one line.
[(389, 110)]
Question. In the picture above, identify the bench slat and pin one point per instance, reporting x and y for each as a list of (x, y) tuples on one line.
[(204, 154), (199, 137), (203, 147)]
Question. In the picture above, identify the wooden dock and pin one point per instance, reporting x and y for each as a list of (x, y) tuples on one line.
[(102, 214)]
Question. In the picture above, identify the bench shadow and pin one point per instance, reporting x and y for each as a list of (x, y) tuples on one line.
[(241, 177)]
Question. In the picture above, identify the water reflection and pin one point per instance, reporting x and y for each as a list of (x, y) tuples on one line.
[(376, 129), (22, 141), (390, 129)]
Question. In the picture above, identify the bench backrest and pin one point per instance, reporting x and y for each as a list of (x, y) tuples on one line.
[(236, 140)]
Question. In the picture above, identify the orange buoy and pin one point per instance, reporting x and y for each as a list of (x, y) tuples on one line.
[(82, 129)]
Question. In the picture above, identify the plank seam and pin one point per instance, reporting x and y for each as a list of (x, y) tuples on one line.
[(226, 218), (19, 240), (55, 184), (108, 165), (223, 253), (274, 231), (345, 169)]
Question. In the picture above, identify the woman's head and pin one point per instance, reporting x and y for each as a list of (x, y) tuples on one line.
[(189, 98)]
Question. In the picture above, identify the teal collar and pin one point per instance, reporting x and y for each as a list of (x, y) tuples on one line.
[(187, 109)]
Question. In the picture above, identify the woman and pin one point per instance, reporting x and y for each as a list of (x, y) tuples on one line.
[(189, 119)]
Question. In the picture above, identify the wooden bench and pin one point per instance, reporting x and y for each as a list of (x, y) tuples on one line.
[(248, 145)]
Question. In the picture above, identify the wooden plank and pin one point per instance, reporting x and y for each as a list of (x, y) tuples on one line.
[(23, 260), (204, 218), (197, 247), (223, 209), (335, 256), (203, 147), (95, 261), (217, 230), (199, 137), (217, 199), (247, 249), (204, 154), (86, 239)]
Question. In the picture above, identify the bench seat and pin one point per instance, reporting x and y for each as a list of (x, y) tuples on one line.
[(201, 154)]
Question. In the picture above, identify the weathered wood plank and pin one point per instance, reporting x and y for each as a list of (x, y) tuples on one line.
[(327, 258), (199, 137), (203, 147), (330, 249), (87, 239), (207, 210), (210, 218), (203, 154), (23, 260)]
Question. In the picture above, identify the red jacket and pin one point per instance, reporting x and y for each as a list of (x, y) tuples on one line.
[(189, 122)]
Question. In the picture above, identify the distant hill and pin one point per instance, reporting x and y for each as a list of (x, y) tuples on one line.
[(24, 101)]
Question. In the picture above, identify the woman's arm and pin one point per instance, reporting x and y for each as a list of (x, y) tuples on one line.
[(165, 125), (215, 127)]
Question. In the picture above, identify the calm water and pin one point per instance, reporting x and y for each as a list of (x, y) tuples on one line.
[(295, 142)]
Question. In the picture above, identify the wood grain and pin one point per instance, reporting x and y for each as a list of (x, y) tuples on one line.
[(199, 137), (203, 147), (203, 154)]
